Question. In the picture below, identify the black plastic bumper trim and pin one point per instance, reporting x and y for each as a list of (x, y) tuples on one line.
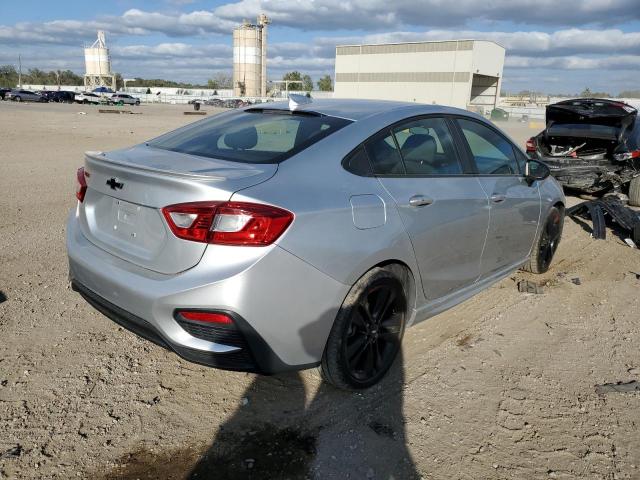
[(263, 359)]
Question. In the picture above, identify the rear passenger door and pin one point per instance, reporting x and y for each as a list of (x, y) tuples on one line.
[(445, 212), (515, 205)]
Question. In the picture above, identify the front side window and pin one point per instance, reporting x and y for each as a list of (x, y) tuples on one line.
[(251, 136), (492, 152), (427, 147)]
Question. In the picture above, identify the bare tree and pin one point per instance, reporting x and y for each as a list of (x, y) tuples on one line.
[(220, 80)]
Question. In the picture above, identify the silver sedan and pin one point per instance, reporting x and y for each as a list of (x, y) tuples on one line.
[(288, 236), (21, 95)]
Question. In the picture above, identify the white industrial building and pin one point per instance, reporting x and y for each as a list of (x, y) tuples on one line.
[(459, 73)]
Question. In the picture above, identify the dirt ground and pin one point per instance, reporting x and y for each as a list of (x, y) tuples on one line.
[(506, 385)]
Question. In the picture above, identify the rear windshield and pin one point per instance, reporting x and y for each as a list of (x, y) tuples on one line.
[(251, 136), (604, 132)]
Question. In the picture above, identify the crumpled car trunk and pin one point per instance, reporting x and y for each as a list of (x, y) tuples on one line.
[(581, 140)]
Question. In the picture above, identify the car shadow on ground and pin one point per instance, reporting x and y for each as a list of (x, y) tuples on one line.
[(3, 297), (280, 431)]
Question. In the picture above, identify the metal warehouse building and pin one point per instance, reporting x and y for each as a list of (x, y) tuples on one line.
[(459, 73)]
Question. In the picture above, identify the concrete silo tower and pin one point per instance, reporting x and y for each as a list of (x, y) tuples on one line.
[(250, 58), (98, 65)]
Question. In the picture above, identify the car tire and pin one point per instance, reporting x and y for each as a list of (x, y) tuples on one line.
[(546, 242), (634, 192), (366, 335), (17, 99)]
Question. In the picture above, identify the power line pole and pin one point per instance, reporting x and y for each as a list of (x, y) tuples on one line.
[(19, 71)]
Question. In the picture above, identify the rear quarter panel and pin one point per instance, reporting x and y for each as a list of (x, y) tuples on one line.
[(318, 190)]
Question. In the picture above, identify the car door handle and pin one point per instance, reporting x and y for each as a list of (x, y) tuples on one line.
[(420, 201), (497, 198)]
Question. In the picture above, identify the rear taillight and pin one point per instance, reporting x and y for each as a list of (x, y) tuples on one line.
[(227, 223), (531, 145), (207, 317), (81, 186), (627, 155)]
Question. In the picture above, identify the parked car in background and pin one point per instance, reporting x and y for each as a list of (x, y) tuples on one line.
[(123, 99), (89, 97), (499, 115), (234, 103), (278, 237), (20, 95), (3, 92), (591, 146), (214, 102), (58, 96)]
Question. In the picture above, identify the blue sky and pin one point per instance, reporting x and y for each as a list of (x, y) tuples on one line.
[(552, 45)]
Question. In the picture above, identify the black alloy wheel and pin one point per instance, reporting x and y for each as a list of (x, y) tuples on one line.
[(372, 339), (549, 239)]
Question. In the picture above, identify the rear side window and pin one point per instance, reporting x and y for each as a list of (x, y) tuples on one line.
[(427, 148), (384, 155), (251, 136), (492, 152), (357, 162)]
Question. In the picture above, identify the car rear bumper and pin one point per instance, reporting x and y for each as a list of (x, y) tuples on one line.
[(283, 308)]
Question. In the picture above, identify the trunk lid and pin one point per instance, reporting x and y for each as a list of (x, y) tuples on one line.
[(127, 188), (575, 114)]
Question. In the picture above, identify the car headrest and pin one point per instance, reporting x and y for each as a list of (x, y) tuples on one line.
[(242, 139), (420, 147)]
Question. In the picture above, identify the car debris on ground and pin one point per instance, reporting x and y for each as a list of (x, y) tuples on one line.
[(527, 286), (609, 207), (620, 387)]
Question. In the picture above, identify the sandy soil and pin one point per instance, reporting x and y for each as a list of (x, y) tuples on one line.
[(505, 385)]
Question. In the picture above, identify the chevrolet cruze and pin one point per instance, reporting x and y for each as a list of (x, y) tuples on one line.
[(288, 236)]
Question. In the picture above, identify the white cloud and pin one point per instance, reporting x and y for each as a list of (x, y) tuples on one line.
[(578, 47), (382, 14), (132, 22), (615, 62)]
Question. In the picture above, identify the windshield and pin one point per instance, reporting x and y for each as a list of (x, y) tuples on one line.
[(251, 136)]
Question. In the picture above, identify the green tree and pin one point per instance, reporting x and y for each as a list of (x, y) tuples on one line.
[(294, 76), (307, 83), (629, 94), (325, 84), (67, 77), (8, 76)]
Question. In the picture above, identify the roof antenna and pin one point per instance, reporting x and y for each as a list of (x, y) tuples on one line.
[(296, 100)]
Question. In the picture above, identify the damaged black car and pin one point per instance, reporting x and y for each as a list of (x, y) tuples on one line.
[(591, 146)]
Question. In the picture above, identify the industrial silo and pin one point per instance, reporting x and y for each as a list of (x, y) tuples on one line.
[(98, 65), (250, 58)]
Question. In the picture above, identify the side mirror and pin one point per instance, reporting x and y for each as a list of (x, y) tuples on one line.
[(535, 170)]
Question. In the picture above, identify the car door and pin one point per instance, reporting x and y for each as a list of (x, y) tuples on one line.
[(445, 212), (515, 203)]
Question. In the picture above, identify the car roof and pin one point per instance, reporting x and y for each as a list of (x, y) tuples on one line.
[(358, 109)]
